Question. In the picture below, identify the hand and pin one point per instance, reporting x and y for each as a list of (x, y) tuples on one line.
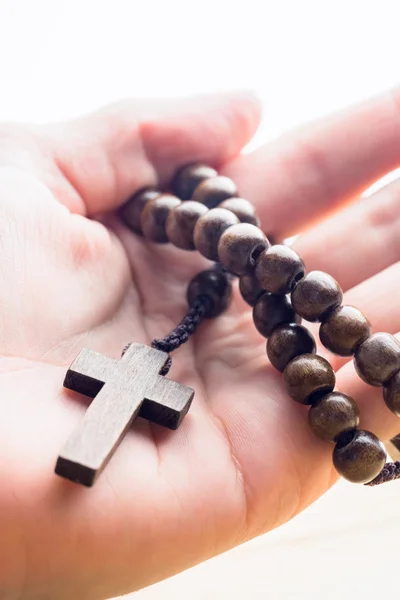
[(244, 460)]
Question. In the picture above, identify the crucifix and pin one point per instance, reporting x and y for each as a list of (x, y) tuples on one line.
[(122, 390)]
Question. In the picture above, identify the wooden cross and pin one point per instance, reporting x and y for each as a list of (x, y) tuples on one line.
[(123, 389)]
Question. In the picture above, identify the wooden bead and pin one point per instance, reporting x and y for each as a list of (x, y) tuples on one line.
[(378, 358), (240, 246), (212, 192), (359, 456), (332, 415), (308, 377), (271, 311), (216, 285), (243, 209), (189, 177), (131, 211), (344, 329), (154, 217), (391, 394), (316, 295), (288, 341), (209, 229), (181, 222), (279, 269), (250, 288)]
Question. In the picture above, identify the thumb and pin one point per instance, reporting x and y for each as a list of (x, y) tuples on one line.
[(110, 154)]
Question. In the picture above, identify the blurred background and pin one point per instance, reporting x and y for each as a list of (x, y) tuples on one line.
[(304, 59)]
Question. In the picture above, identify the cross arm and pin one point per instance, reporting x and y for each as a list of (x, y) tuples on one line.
[(166, 403), (89, 372)]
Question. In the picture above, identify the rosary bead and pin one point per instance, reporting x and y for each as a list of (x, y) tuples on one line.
[(271, 311), (240, 246), (212, 192), (154, 217), (181, 222), (209, 229), (391, 394), (243, 209), (378, 358), (250, 288), (131, 211), (189, 177), (344, 329), (279, 269), (216, 285), (332, 415), (288, 341), (316, 295), (308, 377), (359, 456)]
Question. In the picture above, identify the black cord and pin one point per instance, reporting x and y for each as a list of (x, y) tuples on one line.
[(183, 331), (390, 472)]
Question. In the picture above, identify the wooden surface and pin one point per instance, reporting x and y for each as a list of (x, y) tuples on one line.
[(122, 390)]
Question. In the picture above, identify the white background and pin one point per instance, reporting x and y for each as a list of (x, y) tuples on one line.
[(304, 58)]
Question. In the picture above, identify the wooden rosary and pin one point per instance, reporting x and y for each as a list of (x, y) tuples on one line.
[(206, 214)]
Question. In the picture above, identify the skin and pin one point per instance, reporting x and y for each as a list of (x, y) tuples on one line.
[(244, 460)]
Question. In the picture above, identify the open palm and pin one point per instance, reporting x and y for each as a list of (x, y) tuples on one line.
[(244, 460)]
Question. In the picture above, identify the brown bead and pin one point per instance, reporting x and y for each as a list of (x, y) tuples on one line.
[(359, 456), (271, 311), (250, 288), (212, 192), (154, 217), (209, 229), (181, 222), (332, 415), (216, 285), (344, 329), (288, 341), (243, 209), (391, 394), (131, 211), (316, 295), (308, 377), (240, 246), (378, 358), (189, 177), (279, 269)]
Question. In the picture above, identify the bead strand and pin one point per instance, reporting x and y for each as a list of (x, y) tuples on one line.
[(272, 279)]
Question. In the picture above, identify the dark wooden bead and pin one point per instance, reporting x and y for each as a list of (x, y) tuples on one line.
[(271, 311), (209, 229), (332, 415), (240, 246), (316, 295), (288, 341), (308, 377), (279, 269), (189, 177), (391, 394), (212, 192), (359, 456), (216, 285), (243, 209), (344, 329), (250, 288), (132, 210), (154, 217), (181, 222), (378, 358)]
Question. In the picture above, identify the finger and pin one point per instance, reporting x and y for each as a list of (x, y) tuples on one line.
[(358, 242), (113, 153), (306, 175)]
